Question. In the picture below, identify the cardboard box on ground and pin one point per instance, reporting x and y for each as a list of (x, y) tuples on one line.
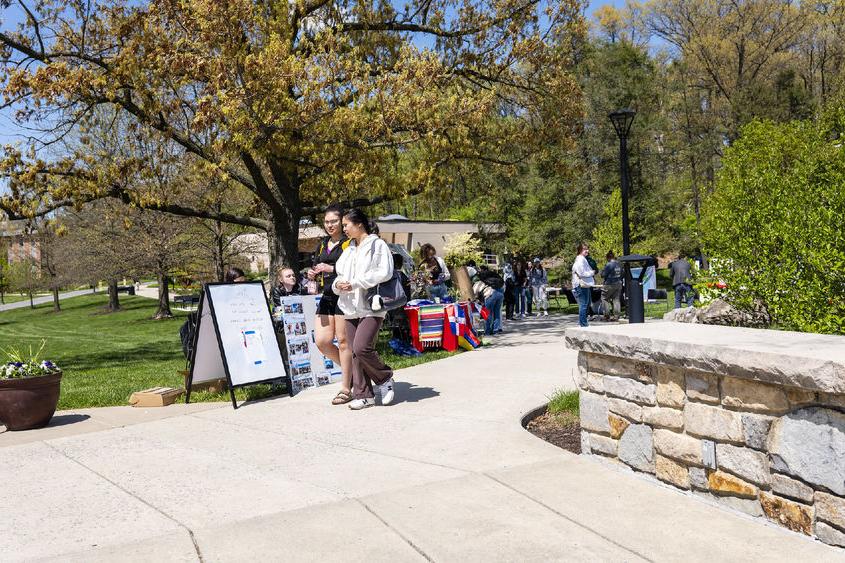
[(155, 397)]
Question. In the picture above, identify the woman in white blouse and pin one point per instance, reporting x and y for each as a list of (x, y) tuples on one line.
[(583, 282)]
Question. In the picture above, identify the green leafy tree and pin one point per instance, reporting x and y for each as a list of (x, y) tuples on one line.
[(300, 102), (774, 222)]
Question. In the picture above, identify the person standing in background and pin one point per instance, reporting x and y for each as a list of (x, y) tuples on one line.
[(680, 271), (583, 281), (510, 286), (611, 292), (539, 280), (529, 295), (519, 292)]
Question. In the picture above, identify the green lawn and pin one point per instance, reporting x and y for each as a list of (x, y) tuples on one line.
[(107, 356)]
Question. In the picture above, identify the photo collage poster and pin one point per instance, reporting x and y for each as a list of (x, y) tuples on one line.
[(307, 366)]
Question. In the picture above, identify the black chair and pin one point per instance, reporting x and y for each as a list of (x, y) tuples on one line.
[(659, 294)]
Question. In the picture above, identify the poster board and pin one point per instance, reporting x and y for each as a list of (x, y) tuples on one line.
[(235, 338), (307, 366), (649, 281)]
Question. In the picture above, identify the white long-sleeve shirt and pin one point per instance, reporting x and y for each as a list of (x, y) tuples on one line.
[(581, 272), (363, 266)]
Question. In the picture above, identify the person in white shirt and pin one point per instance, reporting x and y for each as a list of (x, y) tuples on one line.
[(363, 265), (583, 282)]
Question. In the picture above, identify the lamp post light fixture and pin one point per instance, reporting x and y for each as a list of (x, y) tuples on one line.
[(622, 120)]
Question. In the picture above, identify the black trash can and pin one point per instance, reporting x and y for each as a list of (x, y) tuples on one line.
[(634, 286)]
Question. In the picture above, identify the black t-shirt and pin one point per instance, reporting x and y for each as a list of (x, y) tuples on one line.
[(329, 256)]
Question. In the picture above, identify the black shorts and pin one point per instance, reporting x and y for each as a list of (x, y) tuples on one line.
[(328, 305)]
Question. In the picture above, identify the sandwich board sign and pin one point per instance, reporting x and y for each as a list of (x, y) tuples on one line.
[(235, 338)]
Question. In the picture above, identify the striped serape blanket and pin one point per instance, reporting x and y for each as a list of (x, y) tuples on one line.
[(431, 325)]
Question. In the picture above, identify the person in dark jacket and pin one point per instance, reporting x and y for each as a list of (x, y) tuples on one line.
[(286, 284), (681, 270)]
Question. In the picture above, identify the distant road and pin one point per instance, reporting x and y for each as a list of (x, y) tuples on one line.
[(44, 299)]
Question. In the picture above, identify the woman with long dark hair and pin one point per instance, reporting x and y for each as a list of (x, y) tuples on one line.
[(437, 274), (329, 324), (366, 263)]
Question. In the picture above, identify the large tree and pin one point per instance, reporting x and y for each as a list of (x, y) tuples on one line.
[(301, 102)]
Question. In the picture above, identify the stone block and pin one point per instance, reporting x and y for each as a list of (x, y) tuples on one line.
[(603, 445), (810, 444), (755, 428), (698, 478), (672, 472), (636, 448), (753, 396), (702, 387), (744, 462), (617, 425), (832, 400), (585, 443), (664, 417), (790, 488), (830, 508), (631, 411), (726, 484), (593, 409), (800, 397), (829, 534), (670, 387), (796, 517), (593, 382), (621, 367), (748, 506), (713, 422), (631, 390), (678, 446)]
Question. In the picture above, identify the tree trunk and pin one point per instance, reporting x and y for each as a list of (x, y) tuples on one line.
[(56, 307), (31, 302), (283, 236), (163, 311), (114, 301)]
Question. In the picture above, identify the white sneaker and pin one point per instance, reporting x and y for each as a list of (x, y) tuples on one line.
[(358, 404), (385, 390)]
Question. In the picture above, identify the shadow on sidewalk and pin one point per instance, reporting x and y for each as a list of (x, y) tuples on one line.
[(410, 393), (58, 420)]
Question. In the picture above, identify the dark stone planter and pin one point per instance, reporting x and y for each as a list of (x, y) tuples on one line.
[(29, 402)]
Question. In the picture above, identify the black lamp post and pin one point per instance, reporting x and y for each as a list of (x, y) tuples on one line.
[(622, 120)]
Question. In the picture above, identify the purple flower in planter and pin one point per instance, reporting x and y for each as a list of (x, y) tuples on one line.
[(17, 364)]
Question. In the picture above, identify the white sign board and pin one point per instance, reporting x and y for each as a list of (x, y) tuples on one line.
[(308, 367), (235, 337), (649, 280)]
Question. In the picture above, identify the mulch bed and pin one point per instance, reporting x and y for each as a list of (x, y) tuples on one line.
[(561, 430)]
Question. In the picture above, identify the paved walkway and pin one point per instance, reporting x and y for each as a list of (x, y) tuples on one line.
[(43, 299), (445, 474)]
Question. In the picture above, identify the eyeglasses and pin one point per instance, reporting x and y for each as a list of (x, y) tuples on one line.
[(332, 222)]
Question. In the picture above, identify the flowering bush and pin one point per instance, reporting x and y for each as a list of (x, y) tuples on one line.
[(19, 366), (460, 248)]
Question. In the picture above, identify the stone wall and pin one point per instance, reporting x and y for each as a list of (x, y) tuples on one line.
[(768, 449)]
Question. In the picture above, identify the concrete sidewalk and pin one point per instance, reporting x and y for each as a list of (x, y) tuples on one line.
[(41, 300), (446, 473)]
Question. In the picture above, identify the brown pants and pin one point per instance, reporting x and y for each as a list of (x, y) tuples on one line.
[(367, 367)]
